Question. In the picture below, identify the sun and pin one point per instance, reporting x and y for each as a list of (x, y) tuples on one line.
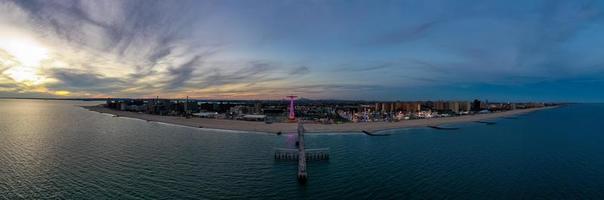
[(28, 54)]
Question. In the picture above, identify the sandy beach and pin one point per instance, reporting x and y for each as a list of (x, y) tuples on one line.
[(310, 127)]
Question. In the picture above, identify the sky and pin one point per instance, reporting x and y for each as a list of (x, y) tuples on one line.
[(500, 50)]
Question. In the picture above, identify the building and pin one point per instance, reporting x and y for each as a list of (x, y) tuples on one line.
[(440, 106), (387, 107), (476, 105), (123, 106), (465, 106), (454, 106), (410, 107)]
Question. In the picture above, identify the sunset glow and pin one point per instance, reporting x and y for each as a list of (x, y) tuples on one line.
[(25, 57), (344, 50)]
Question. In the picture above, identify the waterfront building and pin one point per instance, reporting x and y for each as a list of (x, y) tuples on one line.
[(257, 108), (415, 107), (476, 105), (318, 111), (440, 106), (454, 106), (465, 106), (398, 106), (484, 105), (410, 107), (387, 107)]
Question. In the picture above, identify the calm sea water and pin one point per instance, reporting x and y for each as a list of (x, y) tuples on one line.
[(55, 149)]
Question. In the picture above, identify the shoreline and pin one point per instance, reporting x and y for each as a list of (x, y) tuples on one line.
[(253, 126)]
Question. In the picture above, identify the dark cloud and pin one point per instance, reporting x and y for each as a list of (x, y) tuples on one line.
[(308, 89), (64, 17), (159, 54), (404, 34), (145, 20), (364, 66), (84, 81), (332, 88), (254, 72), (7, 85), (421, 79), (141, 72), (298, 71), (144, 27), (183, 73)]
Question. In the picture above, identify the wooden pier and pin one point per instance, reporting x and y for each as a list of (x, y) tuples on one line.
[(292, 154), (302, 175), (301, 154)]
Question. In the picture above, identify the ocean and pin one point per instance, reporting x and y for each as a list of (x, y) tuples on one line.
[(56, 149)]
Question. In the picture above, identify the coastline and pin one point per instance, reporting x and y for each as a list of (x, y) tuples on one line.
[(239, 125)]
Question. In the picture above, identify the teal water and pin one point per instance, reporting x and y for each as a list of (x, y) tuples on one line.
[(55, 149)]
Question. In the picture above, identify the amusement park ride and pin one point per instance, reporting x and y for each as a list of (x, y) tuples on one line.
[(292, 114)]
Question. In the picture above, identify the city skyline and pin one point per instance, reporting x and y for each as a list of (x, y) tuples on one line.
[(359, 50)]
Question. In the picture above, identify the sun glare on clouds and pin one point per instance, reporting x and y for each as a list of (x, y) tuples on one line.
[(62, 93), (29, 55)]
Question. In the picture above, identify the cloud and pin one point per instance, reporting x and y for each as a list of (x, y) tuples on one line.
[(181, 74), (252, 72), (299, 71), (138, 43), (147, 47), (85, 81), (7, 85), (365, 66), (6, 61), (404, 34), (278, 92), (558, 25)]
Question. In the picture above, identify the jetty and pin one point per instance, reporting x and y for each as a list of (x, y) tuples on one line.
[(485, 122), (373, 134), (443, 128), (301, 154)]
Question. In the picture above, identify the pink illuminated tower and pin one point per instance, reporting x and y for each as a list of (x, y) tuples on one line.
[(292, 114)]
